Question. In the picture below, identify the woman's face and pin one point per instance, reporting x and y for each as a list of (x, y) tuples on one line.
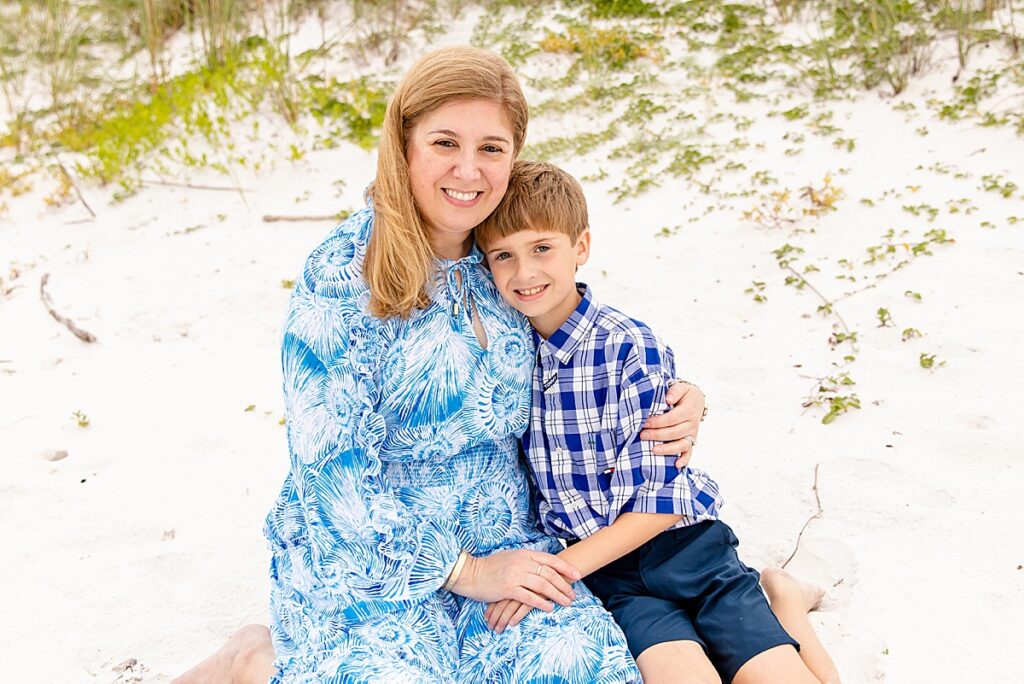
[(460, 156)]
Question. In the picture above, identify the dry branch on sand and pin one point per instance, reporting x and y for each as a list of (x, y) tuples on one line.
[(272, 218), (817, 514), (83, 335)]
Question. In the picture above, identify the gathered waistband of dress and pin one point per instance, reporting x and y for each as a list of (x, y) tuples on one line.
[(486, 456)]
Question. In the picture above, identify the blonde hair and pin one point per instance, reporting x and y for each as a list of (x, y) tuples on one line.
[(540, 196), (399, 258)]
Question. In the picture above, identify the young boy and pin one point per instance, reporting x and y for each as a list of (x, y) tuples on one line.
[(645, 535)]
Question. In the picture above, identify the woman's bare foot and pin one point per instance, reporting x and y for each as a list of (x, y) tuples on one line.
[(249, 646), (784, 589)]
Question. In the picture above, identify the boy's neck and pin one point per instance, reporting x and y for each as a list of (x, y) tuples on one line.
[(546, 324)]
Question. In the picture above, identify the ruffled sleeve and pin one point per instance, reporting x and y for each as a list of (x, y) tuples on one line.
[(365, 545)]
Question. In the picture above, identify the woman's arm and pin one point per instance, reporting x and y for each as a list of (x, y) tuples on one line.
[(370, 547)]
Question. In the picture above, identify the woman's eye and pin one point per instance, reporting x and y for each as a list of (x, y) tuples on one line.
[(445, 143), (493, 149)]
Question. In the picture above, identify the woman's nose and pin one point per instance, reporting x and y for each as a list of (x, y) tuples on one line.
[(466, 168)]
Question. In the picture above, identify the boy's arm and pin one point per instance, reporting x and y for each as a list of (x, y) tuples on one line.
[(628, 532), (642, 498), (643, 501)]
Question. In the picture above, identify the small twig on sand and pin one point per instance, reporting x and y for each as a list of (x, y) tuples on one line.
[(817, 514), (191, 186), (67, 322), (6, 291), (73, 184), (823, 298), (271, 218)]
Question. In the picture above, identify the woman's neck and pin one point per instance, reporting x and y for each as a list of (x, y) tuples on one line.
[(450, 245)]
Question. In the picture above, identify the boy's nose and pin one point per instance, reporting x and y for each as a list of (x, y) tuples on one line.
[(525, 271)]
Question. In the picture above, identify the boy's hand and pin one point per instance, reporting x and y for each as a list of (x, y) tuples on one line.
[(507, 613), (678, 427)]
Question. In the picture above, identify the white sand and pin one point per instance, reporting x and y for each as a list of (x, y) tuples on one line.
[(144, 542)]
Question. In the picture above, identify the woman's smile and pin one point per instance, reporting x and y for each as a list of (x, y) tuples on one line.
[(462, 199)]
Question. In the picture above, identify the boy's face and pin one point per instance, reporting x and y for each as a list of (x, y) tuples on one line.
[(535, 271)]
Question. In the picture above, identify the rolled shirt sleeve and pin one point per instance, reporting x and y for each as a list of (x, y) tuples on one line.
[(645, 482)]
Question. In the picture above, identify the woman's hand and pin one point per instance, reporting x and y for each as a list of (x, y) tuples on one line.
[(507, 613), (532, 578), (679, 427)]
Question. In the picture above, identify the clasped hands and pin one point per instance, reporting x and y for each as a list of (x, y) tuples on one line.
[(515, 582)]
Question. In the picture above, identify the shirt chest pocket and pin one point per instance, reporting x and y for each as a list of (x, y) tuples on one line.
[(581, 460)]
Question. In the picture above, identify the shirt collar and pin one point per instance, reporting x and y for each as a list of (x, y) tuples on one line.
[(564, 342)]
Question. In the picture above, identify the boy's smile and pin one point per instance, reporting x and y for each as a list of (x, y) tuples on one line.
[(535, 271), (531, 293)]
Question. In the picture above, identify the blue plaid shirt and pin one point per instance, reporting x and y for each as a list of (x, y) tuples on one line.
[(598, 378)]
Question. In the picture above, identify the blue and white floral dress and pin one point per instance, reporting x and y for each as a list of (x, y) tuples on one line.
[(402, 435)]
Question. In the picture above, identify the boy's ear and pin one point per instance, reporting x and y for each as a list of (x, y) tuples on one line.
[(583, 248)]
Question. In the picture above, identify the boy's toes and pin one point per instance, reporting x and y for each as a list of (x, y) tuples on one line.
[(780, 586)]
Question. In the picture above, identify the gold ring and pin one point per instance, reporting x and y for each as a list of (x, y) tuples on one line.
[(539, 566)]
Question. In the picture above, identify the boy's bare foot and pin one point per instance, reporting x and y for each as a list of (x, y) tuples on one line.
[(222, 665), (782, 588)]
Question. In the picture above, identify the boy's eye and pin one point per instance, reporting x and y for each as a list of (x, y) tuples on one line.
[(543, 248), (501, 256)]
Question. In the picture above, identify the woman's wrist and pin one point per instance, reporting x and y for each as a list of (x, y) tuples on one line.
[(457, 570)]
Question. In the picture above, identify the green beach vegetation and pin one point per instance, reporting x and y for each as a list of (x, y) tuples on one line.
[(108, 93)]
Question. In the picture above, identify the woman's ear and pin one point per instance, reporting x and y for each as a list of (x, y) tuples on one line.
[(583, 248)]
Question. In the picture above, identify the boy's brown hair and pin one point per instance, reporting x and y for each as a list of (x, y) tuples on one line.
[(540, 196)]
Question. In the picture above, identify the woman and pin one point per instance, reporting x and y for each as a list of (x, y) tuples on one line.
[(407, 383)]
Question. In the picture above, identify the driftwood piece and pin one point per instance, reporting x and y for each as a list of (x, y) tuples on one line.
[(83, 335), (193, 186), (271, 218)]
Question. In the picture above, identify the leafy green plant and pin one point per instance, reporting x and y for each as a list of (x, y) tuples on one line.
[(995, 183), (755, 290), (832, 392)]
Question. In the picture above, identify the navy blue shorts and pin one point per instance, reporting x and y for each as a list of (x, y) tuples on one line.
[(689, 585)]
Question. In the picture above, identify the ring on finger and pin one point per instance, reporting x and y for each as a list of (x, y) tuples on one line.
[(691, 439), (540, 566)]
